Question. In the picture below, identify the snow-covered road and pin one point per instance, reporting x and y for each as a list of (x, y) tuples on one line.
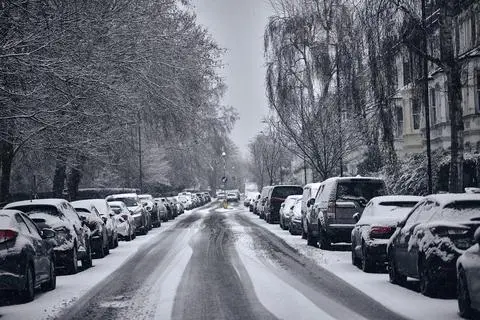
[(216, 263)]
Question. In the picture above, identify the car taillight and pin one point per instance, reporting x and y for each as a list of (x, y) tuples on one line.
[(380, 231), (7, 235), (331, 209)]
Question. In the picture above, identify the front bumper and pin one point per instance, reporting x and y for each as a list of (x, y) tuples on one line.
[(296, 226)]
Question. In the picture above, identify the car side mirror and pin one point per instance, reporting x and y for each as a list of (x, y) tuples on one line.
[(356, 216), (104, 219), (400, 224), (48, 233), (310, 202), (83, 219), (144, 204), (476, 236)]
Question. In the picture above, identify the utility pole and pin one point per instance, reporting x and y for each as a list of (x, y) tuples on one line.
[(426, 102)]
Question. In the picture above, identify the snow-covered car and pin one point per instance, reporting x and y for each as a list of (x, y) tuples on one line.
[(173, 206), (136, 209), (232, 197), (338, 199), (468, 277), (262, 201), (375, 226), (126, 225), (427, 244), (286, 210), (295, 222), (109, 219), (71, 234), (27, 258), (162, 209), (151, 207), (276, 196), (310, 191), (99, 237)]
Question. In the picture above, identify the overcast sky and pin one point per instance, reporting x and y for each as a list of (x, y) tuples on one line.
[(237, 26)]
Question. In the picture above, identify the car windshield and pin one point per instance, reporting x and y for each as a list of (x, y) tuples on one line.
[(283, 192), (361, 191), (130, 202), (459, 210), (31, 209)]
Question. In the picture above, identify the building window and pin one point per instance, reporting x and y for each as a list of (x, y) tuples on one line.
[(416, 113), (433, 104), (447, 106), (399, 118), (407, 74)]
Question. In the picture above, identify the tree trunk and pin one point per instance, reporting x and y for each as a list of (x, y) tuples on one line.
[(74, 179), (59, 178), (6, 161), (454, 87)]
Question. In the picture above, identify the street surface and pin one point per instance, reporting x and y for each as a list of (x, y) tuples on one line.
[(217, 264)]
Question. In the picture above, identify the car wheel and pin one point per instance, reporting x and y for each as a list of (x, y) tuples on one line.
[(394, 276), (304, 234), (281, 224), (52, 281), (463, 296), (367, 265), (427, 284), (27, 294), (323, 240), (87, 261), (355, 261), (311, 240), (100, 253), (72, 266)]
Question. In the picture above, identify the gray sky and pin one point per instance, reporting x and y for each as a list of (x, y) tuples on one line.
[(238, 25)]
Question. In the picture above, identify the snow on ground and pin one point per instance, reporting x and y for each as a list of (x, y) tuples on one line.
[(71, 287), (404, 301)]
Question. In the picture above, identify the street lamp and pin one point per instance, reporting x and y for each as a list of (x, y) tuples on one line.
[(224, 156)]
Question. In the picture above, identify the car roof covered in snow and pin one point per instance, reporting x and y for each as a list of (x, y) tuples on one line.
[(396, 198), (447, 198), (117, 203), (294, 196), (51, 202), (314, 185), (84, 204), (122, 195), (329, 180)]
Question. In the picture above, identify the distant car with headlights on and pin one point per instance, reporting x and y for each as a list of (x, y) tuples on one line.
[(99, 237), (375, 226), (427, 244), (27, 258), (72, 236), (126, 228), (136, 209)]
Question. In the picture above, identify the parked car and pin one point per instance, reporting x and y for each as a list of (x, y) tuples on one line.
[(162, 209), (286, 210), (151, 207), (295, 224), (232, 197), (427, 243), (375, 226), (255, 204), (71, 234), (136, 209), (180, 206), (99, 237), (110, 219), (168, 205), (338, 199), (468, 275), (310, 191), (276, 195), (262, 201), (173, 207), (126, 227), (27, 258)]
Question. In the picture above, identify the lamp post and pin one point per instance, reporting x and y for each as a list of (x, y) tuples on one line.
[(224, 156)]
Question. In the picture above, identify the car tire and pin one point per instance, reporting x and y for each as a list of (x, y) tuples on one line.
[(100, 253), (51, 284), (323, 240), (367, 265), (87, 261), (463, 296), (27, 294), (394, 276), (355, 261), (428, 286), (72, 266), (304, 234)]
